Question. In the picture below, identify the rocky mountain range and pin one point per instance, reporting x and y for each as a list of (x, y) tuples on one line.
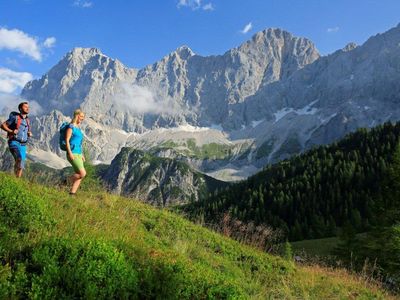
[(181, 88), (227, 115)]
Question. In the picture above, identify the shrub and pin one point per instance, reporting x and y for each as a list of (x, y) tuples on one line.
[(91, 270), (12, 281), (166, 279), (20, 211)]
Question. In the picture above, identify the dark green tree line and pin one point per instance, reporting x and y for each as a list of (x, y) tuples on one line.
[(379, 249), (313, 194)]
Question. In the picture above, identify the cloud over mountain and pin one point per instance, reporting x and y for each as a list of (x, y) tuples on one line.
[(141, 100), (10, 80)]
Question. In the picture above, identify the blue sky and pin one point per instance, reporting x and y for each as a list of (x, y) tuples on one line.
[(36, 34)]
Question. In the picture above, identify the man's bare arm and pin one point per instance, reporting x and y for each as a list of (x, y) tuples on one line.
[(5, 127)]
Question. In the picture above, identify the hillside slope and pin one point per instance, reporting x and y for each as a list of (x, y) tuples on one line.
[(98, 245)]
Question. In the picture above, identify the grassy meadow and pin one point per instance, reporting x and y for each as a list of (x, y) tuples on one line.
[(101, 246)]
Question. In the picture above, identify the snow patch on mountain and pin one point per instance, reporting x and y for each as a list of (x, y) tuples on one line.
[(254, 124), (306, 110)]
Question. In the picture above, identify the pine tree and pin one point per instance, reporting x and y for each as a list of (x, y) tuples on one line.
[(288, 252)]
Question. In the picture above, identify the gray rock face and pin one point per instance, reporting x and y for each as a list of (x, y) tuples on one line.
[(83, 78), (45, 129), (160, 181), (208, 86), (351, 88), (271, 97), (199, 89)]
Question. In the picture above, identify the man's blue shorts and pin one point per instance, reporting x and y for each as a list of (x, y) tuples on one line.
[(18, 151)]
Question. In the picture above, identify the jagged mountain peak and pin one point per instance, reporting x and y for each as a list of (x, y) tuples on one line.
[(272, 34), (184, 52), (274, 40), (83, 51), (75, 62), (176, 57), (275, 53), (83, 54), (72, 78), (79, 57), (349, 47), (181, 53)]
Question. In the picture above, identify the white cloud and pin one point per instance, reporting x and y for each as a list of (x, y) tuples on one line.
[(49, 42), (9, 103), (208, 6), (141, 100), (333, 29), (19, 41), (193, 4), (247, 28), (83, 3), (10, 80)]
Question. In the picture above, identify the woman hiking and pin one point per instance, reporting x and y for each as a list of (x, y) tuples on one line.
[(73, 139)]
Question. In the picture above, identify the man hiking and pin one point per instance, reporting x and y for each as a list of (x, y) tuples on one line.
[(18, 132)]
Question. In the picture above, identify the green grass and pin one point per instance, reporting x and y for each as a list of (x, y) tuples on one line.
[(101, 246), (316, 247), (189, 148), (209, 151)]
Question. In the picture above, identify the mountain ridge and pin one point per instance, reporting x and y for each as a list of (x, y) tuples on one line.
[(274, 91)]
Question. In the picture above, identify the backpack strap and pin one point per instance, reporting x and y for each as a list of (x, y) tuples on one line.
[(19, 121)]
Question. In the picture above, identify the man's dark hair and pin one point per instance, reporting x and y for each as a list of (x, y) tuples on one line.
[(20, 105)]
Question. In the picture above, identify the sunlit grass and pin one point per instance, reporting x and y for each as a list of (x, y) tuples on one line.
[(155, 238)]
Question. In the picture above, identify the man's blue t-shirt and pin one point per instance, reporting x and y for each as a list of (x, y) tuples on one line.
[(76, 139), (22, 135)]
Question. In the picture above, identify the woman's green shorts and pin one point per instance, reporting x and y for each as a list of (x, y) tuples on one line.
[(77, 163)]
